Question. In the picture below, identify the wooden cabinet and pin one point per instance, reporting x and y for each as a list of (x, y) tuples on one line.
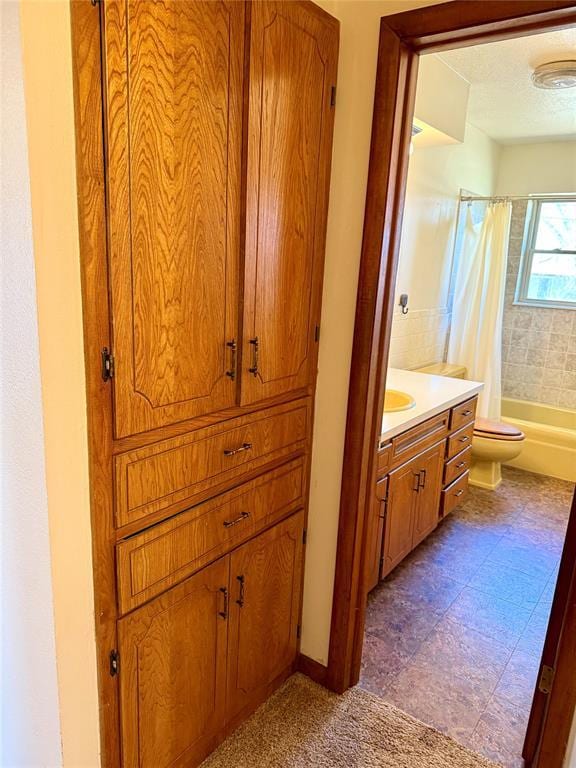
[(173, 673), (430, 470), (429, 466), (173, 77), (207, 650), (265, 582), (293, 55)]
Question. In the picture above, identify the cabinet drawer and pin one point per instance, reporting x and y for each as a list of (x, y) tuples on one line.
[(454, 495), (457, 466), (156, 559), (383, 459), (413, 441), (460, 440), (169, 474), (463, 414)]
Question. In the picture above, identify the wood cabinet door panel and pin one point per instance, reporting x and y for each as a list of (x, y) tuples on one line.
[(265, 585), (293, 57), (430, 468), (173, 97), (400, 512), (173, 673)]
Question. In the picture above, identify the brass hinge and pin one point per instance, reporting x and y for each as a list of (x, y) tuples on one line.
[(333, 96), (298, 631), (95, 2), (107, 364), (114, 662), (546, 678)]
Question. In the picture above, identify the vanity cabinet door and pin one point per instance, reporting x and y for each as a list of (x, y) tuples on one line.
[(375, 534), (173, 96), (430, 469), (293, 57), (265, 587), (400, 513)]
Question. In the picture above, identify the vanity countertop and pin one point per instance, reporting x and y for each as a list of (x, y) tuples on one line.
[(433, 394)]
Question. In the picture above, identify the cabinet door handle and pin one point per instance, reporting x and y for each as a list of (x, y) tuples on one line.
[(416, 486), (240, 600), (230, 523), (422, 481), (234, 451), (232, 346), (255, 348), (459, 493), (224, 613)]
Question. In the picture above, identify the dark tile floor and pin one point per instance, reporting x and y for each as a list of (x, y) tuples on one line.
[(454, 634)]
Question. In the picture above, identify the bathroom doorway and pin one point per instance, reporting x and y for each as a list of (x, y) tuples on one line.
[(497, 528)]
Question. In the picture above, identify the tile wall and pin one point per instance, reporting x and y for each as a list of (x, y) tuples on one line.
[(539, 344), (419, 338)]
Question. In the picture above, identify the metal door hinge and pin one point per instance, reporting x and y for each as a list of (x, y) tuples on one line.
[(298, 631), (304, 536), (333, 96), (317, 333), (107, 364), (546, 678), (114, 662)]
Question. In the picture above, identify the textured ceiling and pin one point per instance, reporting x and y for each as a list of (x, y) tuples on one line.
[(503, 102)]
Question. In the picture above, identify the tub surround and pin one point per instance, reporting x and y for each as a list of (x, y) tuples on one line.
[(433, 394)]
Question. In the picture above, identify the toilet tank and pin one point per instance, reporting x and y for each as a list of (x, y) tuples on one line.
[(453, 370)]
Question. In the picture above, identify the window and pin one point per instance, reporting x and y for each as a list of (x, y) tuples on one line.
[(548, 273)]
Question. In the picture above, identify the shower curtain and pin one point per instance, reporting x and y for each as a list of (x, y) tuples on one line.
[(478, 306)]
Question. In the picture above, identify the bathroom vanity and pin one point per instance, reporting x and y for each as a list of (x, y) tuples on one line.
[(422, 466)]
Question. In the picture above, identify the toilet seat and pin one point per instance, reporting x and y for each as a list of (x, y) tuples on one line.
[(496, 430)]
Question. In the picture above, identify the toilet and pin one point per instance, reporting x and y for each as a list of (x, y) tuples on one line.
[(494, 443)]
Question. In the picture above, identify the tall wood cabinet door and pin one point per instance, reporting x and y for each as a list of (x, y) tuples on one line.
[(400, 512), (293, 57), (430, 469), (265, 586), (173, 75), (173, 673)]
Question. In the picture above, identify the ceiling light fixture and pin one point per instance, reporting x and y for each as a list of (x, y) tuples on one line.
[(555, 75)]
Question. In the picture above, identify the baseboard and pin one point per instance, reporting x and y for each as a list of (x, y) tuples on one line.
[(312, 669)]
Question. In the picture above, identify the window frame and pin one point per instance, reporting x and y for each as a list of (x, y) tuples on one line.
[(528, 249)]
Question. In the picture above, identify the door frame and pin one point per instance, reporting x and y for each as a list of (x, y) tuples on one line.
[(403, 37)]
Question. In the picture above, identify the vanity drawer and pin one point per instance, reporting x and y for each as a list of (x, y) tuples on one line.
[(170, 473), (383, 460), (457, 466), (406, 445), (156, 559), (460, 440), (463, 414), (454, 495)]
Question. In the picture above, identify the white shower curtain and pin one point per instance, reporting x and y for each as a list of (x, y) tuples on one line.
[(478, 307)]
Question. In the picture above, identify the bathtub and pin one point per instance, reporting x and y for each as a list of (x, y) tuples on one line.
[(550, 447)]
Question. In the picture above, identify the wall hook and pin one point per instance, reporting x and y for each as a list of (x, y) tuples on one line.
[(404, 303)]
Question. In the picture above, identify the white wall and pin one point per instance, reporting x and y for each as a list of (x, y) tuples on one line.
[(30, 722), (528, 169), (435, 177), (48, 92)]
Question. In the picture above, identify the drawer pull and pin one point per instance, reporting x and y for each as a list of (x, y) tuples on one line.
[(234, 451), (230, 523), (460, 465), (224, 613), (464, 439), (459, 493), (466, 413), (240, 600)]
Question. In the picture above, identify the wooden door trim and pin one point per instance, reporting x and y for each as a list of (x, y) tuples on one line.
[(402, 38)]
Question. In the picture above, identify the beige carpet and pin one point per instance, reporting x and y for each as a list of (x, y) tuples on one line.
[(304, 726)]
